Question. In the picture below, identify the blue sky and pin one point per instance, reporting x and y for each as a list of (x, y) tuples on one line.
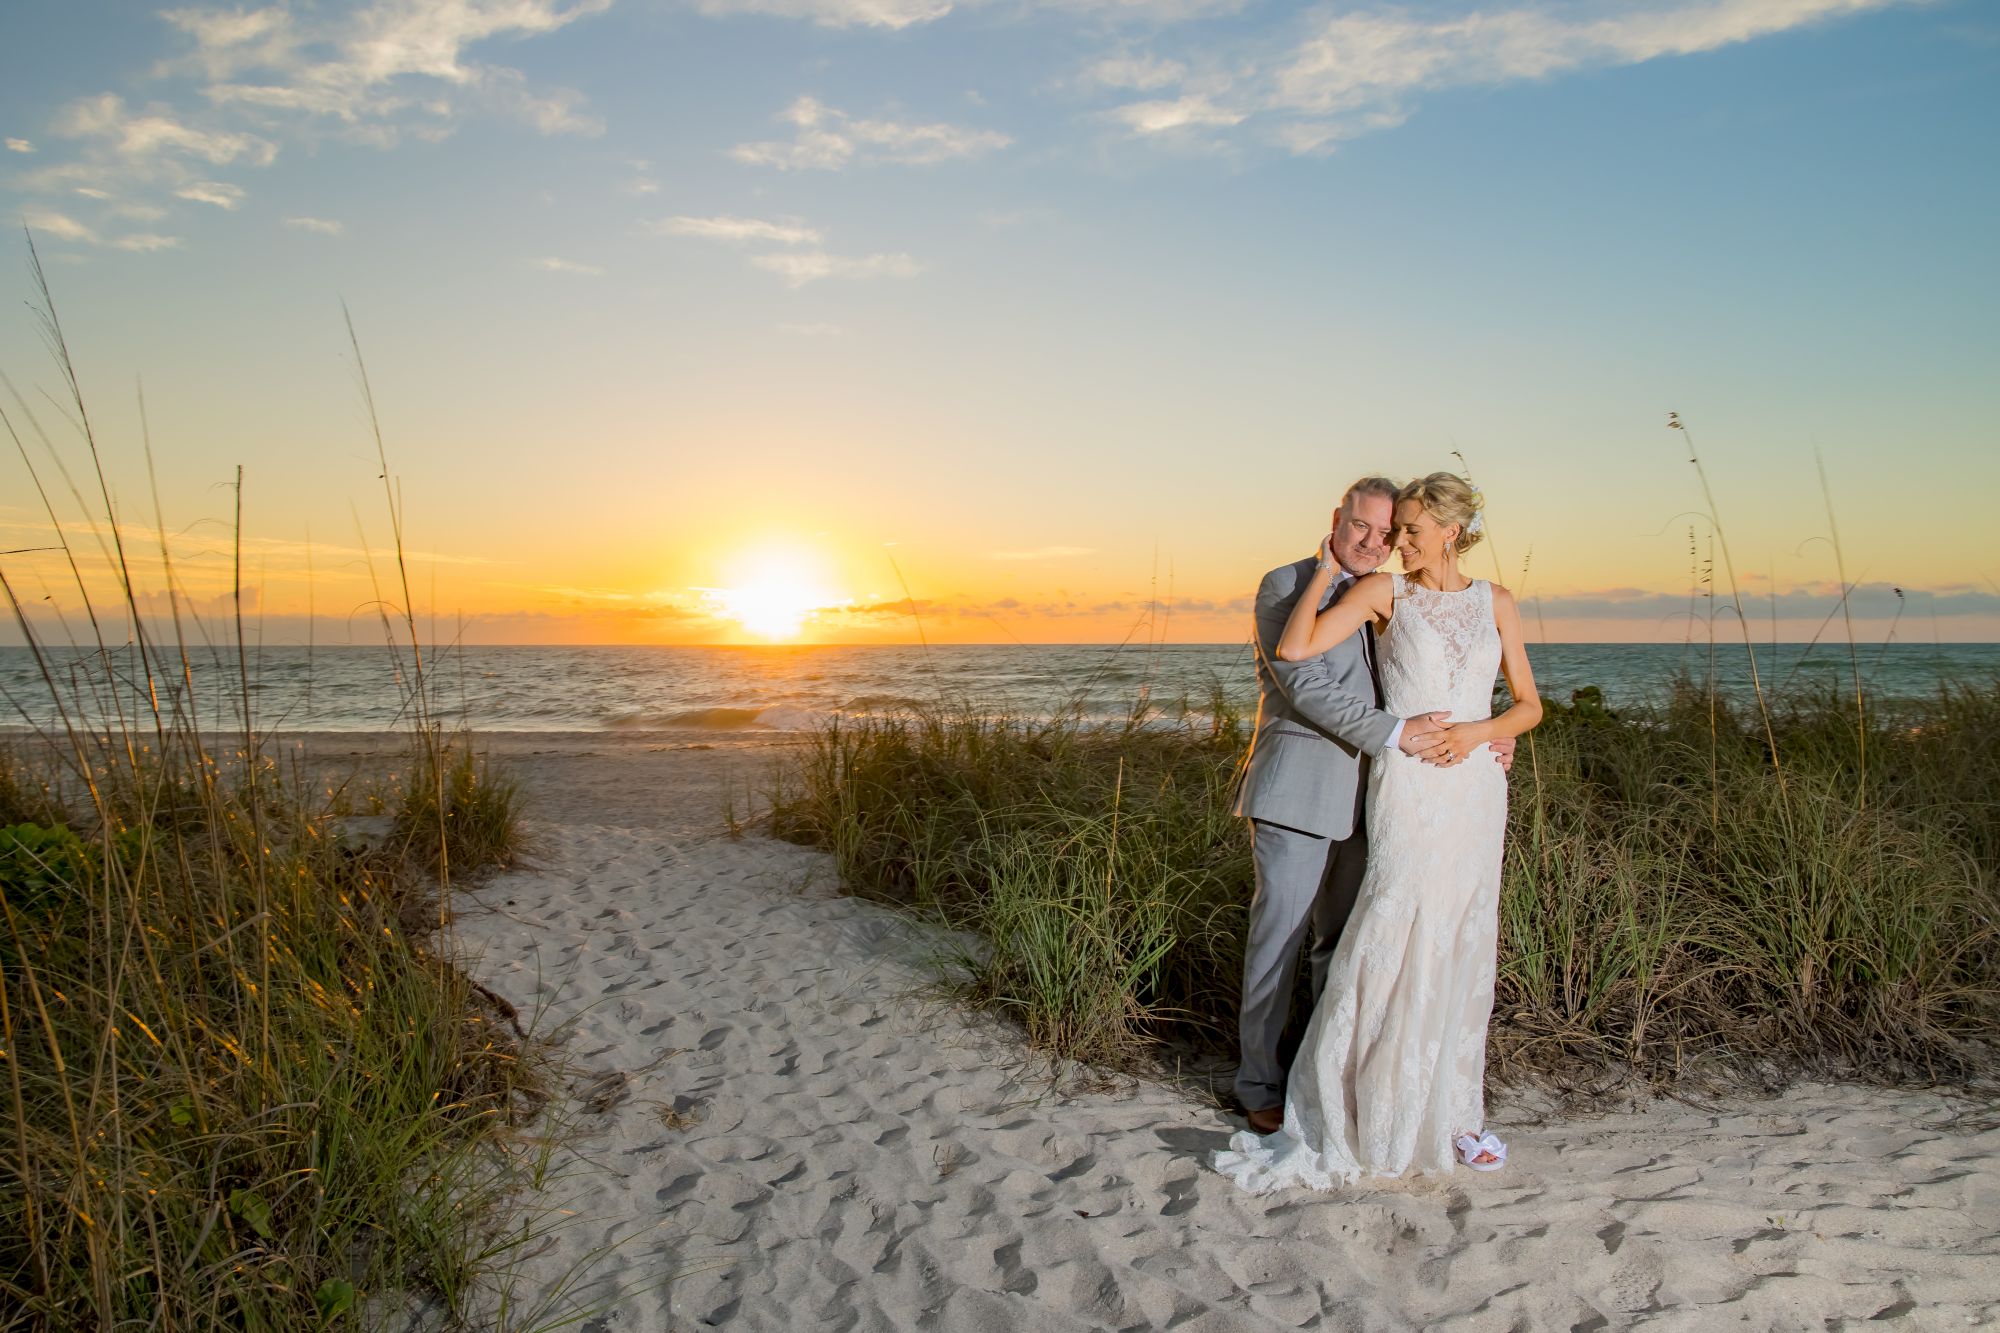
[(1057, 306)]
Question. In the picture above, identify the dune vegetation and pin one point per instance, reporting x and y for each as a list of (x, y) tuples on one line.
[(242, 1082)]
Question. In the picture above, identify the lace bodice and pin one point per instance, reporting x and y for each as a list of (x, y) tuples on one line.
[(1441, 651)]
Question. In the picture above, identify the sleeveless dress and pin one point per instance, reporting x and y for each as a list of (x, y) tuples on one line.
[(1392, 1068)]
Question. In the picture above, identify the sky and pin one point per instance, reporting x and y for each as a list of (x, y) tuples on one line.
[(695, 321)]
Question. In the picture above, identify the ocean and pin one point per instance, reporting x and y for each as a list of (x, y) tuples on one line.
[(793, 688)]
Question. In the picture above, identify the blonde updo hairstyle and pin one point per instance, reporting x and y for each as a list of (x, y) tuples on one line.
[(1448, 498)]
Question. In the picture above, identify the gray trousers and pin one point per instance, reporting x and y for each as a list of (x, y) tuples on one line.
[(1301, 879)]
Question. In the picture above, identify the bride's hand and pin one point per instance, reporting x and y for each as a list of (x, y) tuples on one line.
[(1465, 738), (1327, 564)]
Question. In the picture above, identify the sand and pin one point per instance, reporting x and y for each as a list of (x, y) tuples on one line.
[(793, 1134)]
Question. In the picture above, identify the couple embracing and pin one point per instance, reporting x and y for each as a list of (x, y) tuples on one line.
[(1377, 790)]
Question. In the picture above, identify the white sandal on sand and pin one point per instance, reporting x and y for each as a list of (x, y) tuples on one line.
[(1472, 1146)]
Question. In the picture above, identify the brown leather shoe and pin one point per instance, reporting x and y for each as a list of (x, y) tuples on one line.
[(1267, 1121)]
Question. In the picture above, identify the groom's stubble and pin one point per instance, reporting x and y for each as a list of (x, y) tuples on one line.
[(1361, 528)]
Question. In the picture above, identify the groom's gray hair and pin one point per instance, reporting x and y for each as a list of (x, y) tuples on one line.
[(1381, 486)]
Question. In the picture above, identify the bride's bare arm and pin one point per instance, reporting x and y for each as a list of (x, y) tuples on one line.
[(1526, 711), (1307, 635)]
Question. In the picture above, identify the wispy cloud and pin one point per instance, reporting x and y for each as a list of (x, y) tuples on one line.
[(121, 147), (61, 226), (219, 193), (827, 139), (271, 73), (906, 13), (1348, 72), (737, 230), (1159, 116), (366, 66), (570, 266), (798, 268), (835, 13), (801, 261), (323, 226), (54, 225)]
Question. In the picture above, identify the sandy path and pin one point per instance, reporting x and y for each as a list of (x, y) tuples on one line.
[(842, 1155)]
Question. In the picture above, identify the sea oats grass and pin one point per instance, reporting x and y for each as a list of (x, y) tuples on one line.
[(1671, 913), (243, 1083)]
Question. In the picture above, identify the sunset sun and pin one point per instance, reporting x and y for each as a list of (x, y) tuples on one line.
[(770, 609), (774, 595)]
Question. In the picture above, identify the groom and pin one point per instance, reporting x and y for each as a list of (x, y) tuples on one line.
[(1318, 721)]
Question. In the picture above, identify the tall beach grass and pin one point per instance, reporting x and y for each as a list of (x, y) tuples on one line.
[(1670, 911), (242, 1082)]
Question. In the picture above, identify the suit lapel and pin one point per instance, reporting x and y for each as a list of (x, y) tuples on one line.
[(1368, 656)]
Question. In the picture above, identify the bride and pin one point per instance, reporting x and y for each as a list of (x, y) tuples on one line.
[(1389, 1076)]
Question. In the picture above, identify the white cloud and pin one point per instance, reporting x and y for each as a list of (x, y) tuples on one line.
[(230, 40), (220, 193), (324, 226), (737, 230), (555, 111), (375, 71), (570, 266), (59, 225), (796, 266), (1321, 136), (156, 133), (19, 146), (835, 13), (1350, 72), (1158, 117), (906, 13), (799, 268), (355, 65), (826, 138), (63, 227)]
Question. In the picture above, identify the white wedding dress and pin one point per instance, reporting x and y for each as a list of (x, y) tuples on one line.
[(1391, 1068)]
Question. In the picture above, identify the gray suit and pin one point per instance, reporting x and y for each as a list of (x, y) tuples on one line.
[(1318, 721)]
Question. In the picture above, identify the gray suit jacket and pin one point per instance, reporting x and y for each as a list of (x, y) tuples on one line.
[(1317, 720)]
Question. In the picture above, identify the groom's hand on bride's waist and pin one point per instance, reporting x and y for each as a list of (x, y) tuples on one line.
[(1427, 736)]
